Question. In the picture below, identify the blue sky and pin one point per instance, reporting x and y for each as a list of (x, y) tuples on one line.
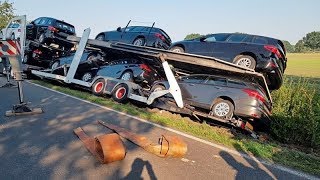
[(283, 19)]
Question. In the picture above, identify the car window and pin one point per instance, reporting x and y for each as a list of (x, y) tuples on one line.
[(248, 39), (43, 21), (64, 26), (37, 20), (50, 21), (216, 37), (260, 40), (193, 79), (216, 81), (237, 37)]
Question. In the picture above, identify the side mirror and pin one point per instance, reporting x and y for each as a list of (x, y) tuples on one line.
[(119, 29), (32, 22)]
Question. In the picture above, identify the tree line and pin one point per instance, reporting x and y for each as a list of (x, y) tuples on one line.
[(309, 43)]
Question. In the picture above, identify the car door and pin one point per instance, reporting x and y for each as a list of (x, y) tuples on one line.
[(132, 33), (231, 47), (192, 89)]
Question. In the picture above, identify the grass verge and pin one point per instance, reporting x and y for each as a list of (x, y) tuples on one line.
[(271, 151)]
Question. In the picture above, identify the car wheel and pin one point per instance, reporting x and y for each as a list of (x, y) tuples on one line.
[(98, 86), (157, 87), (222, 109), (139, 42), (177, 49), (120, 93), (86, 77), (245, 61), (101, 37), (25, 59), (127, 76), (55, 65), (42, 38)]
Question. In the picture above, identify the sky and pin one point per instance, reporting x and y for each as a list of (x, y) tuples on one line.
[(283, 19)]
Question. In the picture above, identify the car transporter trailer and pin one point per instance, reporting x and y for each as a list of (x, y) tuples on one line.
[(163, 57)]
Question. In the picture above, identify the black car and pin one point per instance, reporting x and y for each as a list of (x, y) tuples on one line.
[(241, 49), (47, 30), (94, 64), (138, 35), (224, 97)]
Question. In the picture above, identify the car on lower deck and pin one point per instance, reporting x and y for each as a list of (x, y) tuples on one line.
[(94, 64), (224, 98), (267, 57)]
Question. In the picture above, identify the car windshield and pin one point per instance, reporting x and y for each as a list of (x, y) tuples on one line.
[(62, 25), (14, 25)]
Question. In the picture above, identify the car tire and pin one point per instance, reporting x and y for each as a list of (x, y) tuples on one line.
[(98, 86), (127, 76), (54, 65), (245, 61), (87, 77), (222, 109), (139, 41), (177, 49), (120, 93), (25, 59), (42, 38), (101, 37)]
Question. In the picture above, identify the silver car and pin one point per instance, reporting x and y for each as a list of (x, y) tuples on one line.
[(223, 97)]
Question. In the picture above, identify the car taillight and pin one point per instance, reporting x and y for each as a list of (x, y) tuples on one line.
[(274, 50), (145, 68), (255, 94), (37, 51), (51, 28), (160, 36)]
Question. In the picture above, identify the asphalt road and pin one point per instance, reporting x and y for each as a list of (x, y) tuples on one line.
[(44, 147)]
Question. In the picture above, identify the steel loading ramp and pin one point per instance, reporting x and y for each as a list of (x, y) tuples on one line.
[(193, 64)]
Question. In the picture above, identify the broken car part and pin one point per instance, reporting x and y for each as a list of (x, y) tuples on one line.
[(168, 146)]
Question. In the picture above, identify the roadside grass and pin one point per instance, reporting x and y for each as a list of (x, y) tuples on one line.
[(271, 150), (303, 64)]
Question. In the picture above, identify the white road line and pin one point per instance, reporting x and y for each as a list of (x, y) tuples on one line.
[(280, 167)]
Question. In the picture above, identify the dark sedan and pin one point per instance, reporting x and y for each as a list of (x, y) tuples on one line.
[(243, 50), (94, 64), (138, 35), (224, 98)]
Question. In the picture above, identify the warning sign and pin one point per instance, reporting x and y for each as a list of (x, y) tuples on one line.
[(9, 48)]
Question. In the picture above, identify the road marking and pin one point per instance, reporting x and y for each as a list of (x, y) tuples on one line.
[(231, 151)]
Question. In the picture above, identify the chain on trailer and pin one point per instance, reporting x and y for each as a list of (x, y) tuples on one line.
[(13, 50)]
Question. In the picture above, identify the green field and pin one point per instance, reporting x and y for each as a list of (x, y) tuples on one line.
[(303, 64)]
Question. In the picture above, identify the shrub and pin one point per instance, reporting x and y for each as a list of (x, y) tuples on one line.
[(296, 113)]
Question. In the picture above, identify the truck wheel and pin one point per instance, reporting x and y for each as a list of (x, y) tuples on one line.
[(222, 109), (98, 86), (120, 93), (245, 61)]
